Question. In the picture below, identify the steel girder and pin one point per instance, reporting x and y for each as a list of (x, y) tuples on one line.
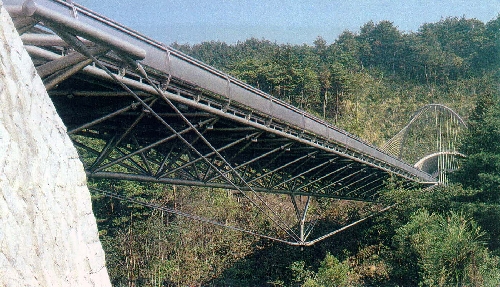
[(182, 122)]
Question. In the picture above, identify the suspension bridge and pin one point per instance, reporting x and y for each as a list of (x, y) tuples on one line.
[(139, 110)]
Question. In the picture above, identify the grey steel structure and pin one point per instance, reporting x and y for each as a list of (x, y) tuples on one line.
[(155, 114)]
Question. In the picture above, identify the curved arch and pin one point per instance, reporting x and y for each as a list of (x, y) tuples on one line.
[(396, 144), (429, 140), (430, 163), (440, 106)]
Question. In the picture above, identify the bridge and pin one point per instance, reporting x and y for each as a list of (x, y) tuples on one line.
[(139, 110)]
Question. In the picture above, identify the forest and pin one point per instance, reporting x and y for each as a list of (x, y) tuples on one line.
[(369, 83)]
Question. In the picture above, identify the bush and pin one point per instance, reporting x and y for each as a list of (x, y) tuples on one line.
[(331, 273), (450, 250)]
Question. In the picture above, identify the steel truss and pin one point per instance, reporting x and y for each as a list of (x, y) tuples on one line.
[(184, 123), (430, 141)]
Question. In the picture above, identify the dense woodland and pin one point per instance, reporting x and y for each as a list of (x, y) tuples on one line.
[(368, 83)]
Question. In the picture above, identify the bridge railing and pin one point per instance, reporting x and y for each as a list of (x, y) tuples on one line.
[(168, 62)]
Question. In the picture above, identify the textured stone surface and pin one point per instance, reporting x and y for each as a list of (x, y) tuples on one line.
[(48, 233)]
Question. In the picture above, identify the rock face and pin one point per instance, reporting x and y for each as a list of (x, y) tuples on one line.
[(48, 233)]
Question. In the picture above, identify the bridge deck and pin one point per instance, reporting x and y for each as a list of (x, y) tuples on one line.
[(140, 110)]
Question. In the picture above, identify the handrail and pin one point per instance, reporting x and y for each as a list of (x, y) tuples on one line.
[(171, 62)]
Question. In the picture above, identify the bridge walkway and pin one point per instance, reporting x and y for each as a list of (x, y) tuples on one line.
[(140, 110)]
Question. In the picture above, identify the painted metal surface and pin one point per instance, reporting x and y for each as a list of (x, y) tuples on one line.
[(139, 110), (161, 58)]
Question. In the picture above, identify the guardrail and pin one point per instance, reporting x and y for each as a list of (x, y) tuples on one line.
[(172, 63)]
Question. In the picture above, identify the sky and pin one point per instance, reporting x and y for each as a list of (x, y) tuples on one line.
[(283, 22)]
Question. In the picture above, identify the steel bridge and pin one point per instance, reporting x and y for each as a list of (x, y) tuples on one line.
[(139, 110)]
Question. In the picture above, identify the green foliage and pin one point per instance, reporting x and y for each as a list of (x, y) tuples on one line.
[(481, 168), (299, 272), (450, 250), (331, 273), (438, 199), (152, 247)]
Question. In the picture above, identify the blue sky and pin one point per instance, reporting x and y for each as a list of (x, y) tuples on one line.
[(286, 21)]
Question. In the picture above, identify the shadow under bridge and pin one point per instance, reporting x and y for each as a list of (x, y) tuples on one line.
[(139, 110)]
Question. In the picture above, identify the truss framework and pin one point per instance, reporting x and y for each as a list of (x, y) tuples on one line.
[(132, 121)]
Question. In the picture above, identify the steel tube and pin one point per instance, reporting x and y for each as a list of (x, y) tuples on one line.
[(14, 10), (65, 62), (56, 80), (145, 178), (48, 12), (346, 144), (312, 242), (204, 76), (46, 40)]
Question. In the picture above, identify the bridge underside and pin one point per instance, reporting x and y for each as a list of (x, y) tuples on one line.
[(131, 121), (124, 140)]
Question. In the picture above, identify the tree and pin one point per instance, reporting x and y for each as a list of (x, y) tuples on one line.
[(454, 47), (320, 48), (481, 168), (325, 82), (449, 250), (346, 50), (381, 44), (489, 58), (331, 273)]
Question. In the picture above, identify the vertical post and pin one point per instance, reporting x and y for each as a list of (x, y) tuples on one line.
[(303, 220), (302, 239)]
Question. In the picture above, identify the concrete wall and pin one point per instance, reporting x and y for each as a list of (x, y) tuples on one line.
[(48, 233)]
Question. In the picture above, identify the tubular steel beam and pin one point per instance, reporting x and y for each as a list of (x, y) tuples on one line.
[(173, 63), (58, 78), (55, 12), (146, 178), (205, 129), (194, 161), (65, 62), (46, 40)]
